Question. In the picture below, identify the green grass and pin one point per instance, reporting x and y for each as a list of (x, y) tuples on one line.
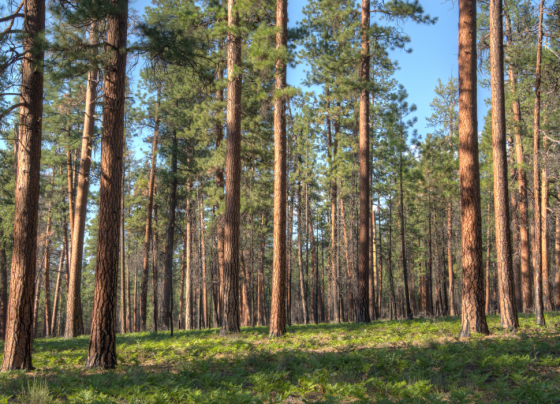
[(392, 361)]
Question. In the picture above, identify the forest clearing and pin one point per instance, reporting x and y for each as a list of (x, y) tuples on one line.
[(408, 361)]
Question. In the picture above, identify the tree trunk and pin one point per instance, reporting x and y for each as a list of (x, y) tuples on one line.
[(74, 320), (487, 303), (362, 299), (246, 312), (102, 346), (537, 258), (372, 282), (332, 143), (515, 234), (289, 242), (260, 283), (302, 283), (129, 311), (547, 295), (393, 301), (230, 309), (47, 312), (148, 232), (557, 262), (56, 300), (428, 303), (182, 285), (19, 337), (123, 263), (314, 265), (155, 253), (452, 311), (527, 299), (504, 251), (473, 318), (278, 308), (189, 323), (3, 286), (203, 263), (348, 266), (403, 246), (170, 245)]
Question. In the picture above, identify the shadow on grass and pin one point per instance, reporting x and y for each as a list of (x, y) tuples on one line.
[(199, 367)]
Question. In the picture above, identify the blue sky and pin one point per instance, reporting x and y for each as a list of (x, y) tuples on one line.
[(434, 56)]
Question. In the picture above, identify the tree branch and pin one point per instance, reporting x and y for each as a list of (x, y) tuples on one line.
[(6, 112)]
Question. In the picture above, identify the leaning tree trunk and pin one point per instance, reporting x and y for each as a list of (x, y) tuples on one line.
[(278, 307), (230, 288), (537, 258), (362, 299), (74, 321), (19, 330), (504, 250), (473, 318), (148, 232), (170, 245), (57, 291), (102, 345)]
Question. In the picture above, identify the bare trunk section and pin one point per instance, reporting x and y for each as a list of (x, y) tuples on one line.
[(148, 233), (122, 261), (74, 321), (314, 265), (278, 307), (189, 321), (302, 283), (522, 183), (102, 346), (362, 299), (347, 254), (537, 245), (452, 310), (56, 301), (47, 311), (155, 252), (230, 287), (403, 246), (3, 286), (557, 264), (170, 245), (203, 263), (260, 283), (19, 332), (473, 318), (547, 295)]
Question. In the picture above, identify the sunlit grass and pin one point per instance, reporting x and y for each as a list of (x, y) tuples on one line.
[(421, 360)]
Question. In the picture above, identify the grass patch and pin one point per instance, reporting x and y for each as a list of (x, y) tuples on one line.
[(414, 361)]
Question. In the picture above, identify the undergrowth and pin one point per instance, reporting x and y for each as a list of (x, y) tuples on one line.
[(413, 361)]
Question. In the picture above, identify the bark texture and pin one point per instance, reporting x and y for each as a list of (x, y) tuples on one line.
[(278, 306), (19, 331), (102, 347), (537, 245), (362, 299), (74, 322), (230, 287), (504, 250), (473, 318)]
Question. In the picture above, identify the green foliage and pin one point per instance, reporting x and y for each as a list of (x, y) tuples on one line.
[(414, 361)]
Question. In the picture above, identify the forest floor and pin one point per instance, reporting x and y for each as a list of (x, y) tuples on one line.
[(415, 361)]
